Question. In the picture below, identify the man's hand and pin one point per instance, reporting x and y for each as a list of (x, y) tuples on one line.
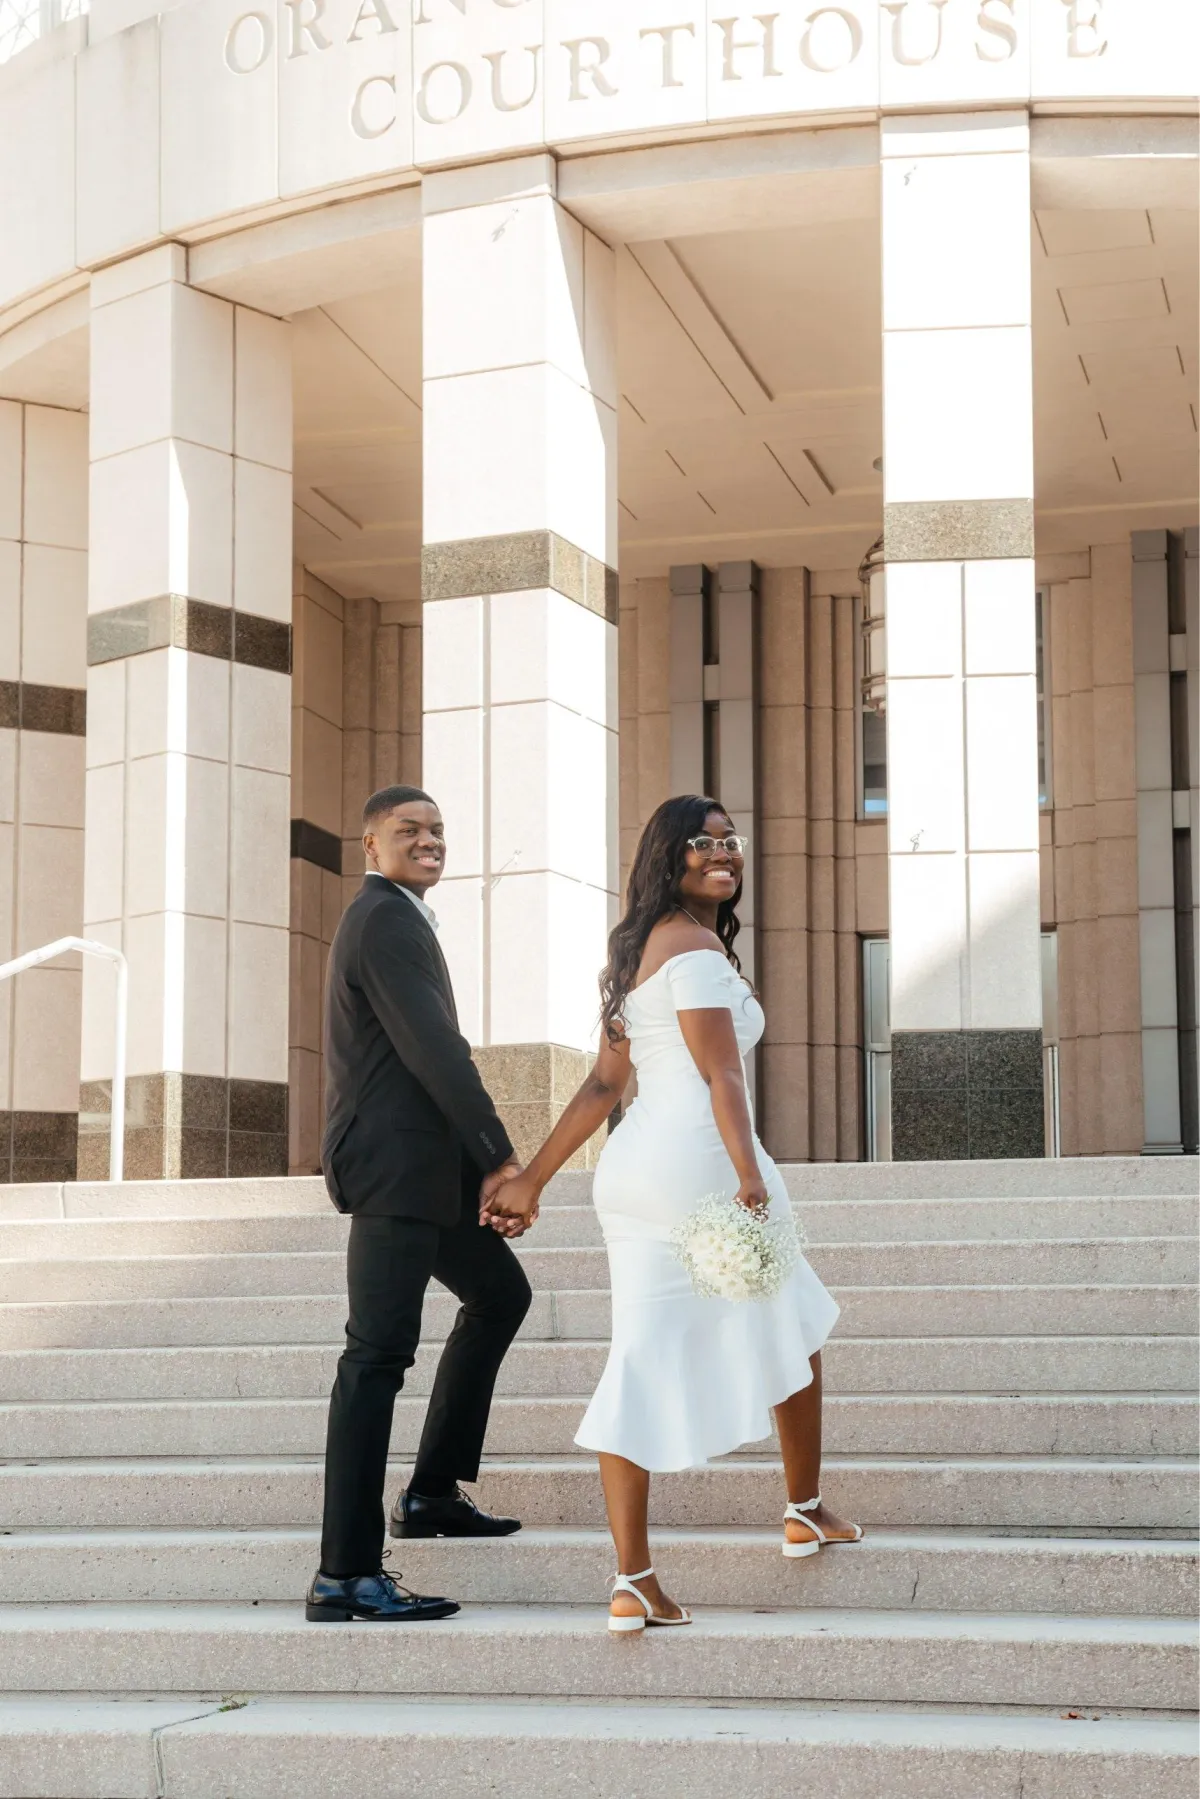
[(493, 1185), (512, 1205)]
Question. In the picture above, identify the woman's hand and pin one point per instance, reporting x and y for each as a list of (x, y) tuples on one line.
[(513, 1207), (753, 1195)]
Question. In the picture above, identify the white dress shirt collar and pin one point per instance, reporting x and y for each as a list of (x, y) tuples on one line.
[(426, 912)]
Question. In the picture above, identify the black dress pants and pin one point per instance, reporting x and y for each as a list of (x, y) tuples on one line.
[(389, 1264)]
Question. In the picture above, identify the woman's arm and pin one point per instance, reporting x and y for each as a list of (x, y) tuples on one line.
[(710, 1036), (582, 1117)]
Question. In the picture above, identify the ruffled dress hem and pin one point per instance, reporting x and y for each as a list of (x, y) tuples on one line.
[(705, 1384)]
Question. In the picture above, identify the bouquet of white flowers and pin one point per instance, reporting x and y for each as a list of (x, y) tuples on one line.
[(732, 1253)]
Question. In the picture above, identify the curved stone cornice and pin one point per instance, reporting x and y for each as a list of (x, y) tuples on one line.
[(114, 135)]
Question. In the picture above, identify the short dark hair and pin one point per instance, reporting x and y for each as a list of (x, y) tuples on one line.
[(387, 799)]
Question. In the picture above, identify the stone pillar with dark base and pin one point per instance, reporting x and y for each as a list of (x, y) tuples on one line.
[(519, 620), (43, 630), (959, 1095), (960, 616), (187, 822)]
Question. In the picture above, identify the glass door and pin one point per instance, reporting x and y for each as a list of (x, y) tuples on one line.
[(877, 1050)]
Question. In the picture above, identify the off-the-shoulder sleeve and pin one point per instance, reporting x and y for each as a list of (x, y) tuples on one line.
[(700, 978)]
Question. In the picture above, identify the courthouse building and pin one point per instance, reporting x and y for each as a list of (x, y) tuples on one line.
[(567, 403)]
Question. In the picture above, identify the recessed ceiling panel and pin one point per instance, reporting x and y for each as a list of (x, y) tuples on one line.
[(375, 504), (1110, 301), (1177, 232), (374, 456), (387, 328), (661, 370), (802, 302), (1134, 367), (338, 387), (1072, 233)]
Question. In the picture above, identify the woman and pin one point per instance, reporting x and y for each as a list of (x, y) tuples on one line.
[(687, 1377)]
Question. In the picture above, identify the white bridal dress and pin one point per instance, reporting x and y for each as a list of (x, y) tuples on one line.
[(687, 1378)]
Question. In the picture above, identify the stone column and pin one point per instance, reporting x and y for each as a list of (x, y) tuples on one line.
[(43, 628), (1164, 657), (1095, 857), (714, 703), (519, 622), (1188, 754), (961, 688), (691, 605), (189, 693), (316, 901)]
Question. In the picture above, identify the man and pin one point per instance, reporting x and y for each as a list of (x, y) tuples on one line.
[(412, 1142)]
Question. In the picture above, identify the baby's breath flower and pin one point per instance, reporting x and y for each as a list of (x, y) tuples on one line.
[(732, 1253)]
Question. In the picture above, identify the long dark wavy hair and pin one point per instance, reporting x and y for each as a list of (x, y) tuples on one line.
[(659, 864)]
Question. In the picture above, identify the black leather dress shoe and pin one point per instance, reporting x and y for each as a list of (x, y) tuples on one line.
[(452, 1516), (333, 1601)]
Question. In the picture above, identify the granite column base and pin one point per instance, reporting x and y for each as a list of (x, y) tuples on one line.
[(181, 1127), (967, 1095), (530, 1084), (37, 1146)]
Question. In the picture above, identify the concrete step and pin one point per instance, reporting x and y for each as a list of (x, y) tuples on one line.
[(577, 1227), (909, 1312), (862, 1657), (971, 1492), (278, 1318), (1011, 1310), (351, 1749), (1116, 1260), (1068, 1177), (891, 1570), (548, 1368), (1087, 1177), (1142, 1424)]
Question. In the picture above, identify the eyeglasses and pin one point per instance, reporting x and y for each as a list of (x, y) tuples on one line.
[(706, 846)]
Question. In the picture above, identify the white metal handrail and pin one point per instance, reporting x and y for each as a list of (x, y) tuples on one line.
[(88, 947)]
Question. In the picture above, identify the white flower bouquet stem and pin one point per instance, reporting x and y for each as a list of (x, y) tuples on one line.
[(732, 1253)]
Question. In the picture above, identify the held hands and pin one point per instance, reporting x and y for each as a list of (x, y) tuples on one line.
[(509, 1200), (753, 1195)]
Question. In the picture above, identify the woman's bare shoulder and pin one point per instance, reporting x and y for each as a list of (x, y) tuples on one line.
[(671, 937)]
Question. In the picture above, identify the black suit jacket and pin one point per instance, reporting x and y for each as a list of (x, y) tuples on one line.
[(403, 1098)]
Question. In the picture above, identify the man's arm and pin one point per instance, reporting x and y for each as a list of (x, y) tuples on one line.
[(399, 977)]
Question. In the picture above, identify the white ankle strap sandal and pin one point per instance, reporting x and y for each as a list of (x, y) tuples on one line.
[(623, 1583), (798, 1514)]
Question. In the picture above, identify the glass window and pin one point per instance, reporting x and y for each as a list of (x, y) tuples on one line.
[(871, 669), (874, 764), (23, 21)]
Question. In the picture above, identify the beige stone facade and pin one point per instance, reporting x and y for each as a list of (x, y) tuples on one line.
[(541, 407), (1090, 864), (823, 867)]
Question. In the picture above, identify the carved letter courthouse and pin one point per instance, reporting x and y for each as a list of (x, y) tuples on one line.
[(562, 404)]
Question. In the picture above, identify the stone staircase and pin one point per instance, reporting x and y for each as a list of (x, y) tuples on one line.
[(1010, 1411)]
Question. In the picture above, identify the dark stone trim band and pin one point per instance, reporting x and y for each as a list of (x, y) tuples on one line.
[(38, 1146), (967, 1095), (173, 621), (24, 706), (957, 530), (312, 844), (516, 563), (187, 1127)]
